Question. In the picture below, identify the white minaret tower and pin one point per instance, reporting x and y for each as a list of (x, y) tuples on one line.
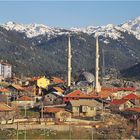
[(69, 62), (97, 84)]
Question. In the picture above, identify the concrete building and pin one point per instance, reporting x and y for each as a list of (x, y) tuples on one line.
[(5, 70), (59, 114), (84, 107)]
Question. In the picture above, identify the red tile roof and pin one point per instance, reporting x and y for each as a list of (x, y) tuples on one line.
[(52, 109), (57, 80), (118, 101), (4, 90), (131, 97), (80, 94), (24, 98), (4, 107), (136, 109), (29, 88), (18, 87), (106, 92), (127, 89), (58, 89), (119, 89), (34, 78)]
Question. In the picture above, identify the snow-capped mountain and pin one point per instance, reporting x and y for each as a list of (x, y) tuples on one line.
[(36, 48), (110, 30), (32, 30), (133, 26)]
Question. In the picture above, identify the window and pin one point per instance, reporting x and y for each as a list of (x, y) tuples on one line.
[(76, 108), (84, 108), (92, 108)]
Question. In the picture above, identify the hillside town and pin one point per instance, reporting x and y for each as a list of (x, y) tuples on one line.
[(55, 103)]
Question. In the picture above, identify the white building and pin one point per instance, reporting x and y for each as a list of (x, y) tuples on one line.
[(5, 70)]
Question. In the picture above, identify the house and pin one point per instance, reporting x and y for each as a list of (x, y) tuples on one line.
[(32, 80), (5, 70), (134, 98), (117, 105), (4, 98), (133, 114), (5, 91), (58, 89), (6, 112), (78, 94), (57, 80), (16, 88), (30, 90), (118, 93), (24, 101), (53, 98), (43, 82), (84, 107), (59, 114)]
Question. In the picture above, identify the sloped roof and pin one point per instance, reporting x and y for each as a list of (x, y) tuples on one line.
[(80, 94), (24, 98), (58, 89), (136, 109), (85, 102), (118, 101), (57, 80), (4, 107), (76, 93), (29, 88), (116, 89), (131, 97), (103, 94), (18, 87), (52, 109), (4, 90), (34, 78)]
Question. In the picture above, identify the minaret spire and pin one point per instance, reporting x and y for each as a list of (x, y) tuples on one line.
[(69, 62), (97, 84)]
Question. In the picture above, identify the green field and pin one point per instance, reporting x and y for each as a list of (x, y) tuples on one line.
[(39, 134)]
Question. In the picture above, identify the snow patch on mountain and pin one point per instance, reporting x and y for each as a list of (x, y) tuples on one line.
[(31, 30), (133, 26), (107, 31)]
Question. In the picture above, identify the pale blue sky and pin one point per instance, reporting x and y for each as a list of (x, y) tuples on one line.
[(69, 13)]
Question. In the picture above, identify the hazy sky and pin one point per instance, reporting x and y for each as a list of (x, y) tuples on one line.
[(69, 13)]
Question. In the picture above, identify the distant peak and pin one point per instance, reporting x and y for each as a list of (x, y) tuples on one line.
[(10, 22), (138, 18)]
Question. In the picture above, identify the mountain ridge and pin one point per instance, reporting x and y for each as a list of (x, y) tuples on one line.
[(34, 30), (48, 52)]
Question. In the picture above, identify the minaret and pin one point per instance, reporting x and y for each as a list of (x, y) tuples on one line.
[(69, 62), (97, 84)]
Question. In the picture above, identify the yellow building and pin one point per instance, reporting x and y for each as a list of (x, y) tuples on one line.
[(43, 82)]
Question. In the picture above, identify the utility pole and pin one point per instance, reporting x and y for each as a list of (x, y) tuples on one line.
[(69, 62), (25, 132), (42, 111), (25, 113), (17, 130), (42, 106), (97, 84), (7, 99)]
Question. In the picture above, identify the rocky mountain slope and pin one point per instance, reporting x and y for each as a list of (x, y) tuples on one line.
[(36, 48)]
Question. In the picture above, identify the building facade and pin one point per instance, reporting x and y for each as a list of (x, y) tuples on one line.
[(5, 70)]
